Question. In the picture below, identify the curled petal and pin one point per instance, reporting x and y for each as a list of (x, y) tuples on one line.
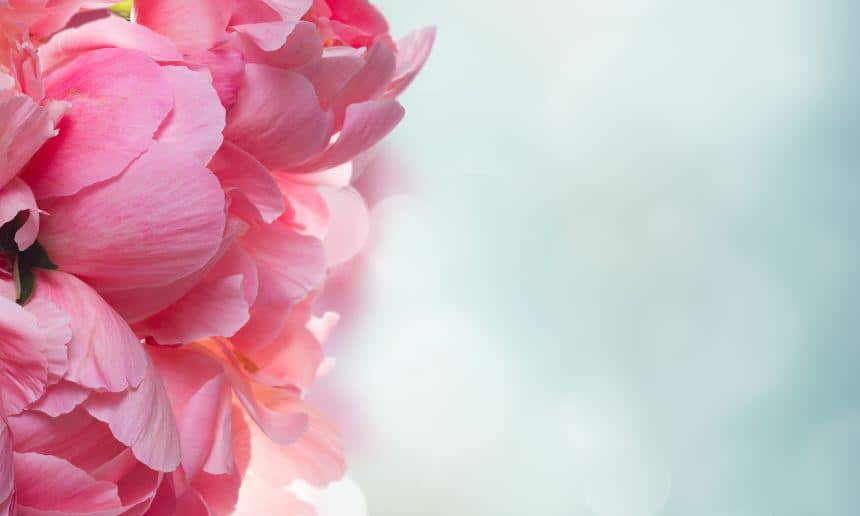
[(412, 54), (142, 419), (277, 117), (365, 125), (254, 189)]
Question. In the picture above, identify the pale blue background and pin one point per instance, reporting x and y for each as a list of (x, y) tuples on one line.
[(630, 284)]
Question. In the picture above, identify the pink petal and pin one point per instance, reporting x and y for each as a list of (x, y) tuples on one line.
[(142, 419), (349, 225), (111, 235), (110, 32), (360, 14), (53, 15), (61, 398), (103, 352), (16, 197), (278, 412), (54, 324), (7, 473), (331, 74), (194, 25), (412, 53), (289, 266), (303, 45), (139, 303), (197, 119), (257, 497), (371, 81), (202, 400), (317, 458), (277, 117), (310, 213), (268, 22), (227, 68), (23, 368), (49, 483), (243, 176), (293, 358), (118, 99), (24, 127), (365, 125), (217, 306)]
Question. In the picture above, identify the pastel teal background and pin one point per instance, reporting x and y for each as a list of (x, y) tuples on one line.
[(629, 285)]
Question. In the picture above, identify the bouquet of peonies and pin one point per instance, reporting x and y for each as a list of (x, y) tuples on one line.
[(168, 171)]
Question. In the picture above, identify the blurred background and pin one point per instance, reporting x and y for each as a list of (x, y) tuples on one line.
[(622, 279)]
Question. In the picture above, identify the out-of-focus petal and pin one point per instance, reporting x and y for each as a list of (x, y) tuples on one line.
[(348, 227), (317, 458), (412, 54)]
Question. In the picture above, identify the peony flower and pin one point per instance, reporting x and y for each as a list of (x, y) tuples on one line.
[(173, 194)]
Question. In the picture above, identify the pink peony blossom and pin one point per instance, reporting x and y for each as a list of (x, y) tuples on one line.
[(173, 194)]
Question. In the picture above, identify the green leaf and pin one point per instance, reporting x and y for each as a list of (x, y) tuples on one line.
[(25, 281), (36, 256), (123, 8), (8, 230)]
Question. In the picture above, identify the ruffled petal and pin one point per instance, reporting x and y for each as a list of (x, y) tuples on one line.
[(254, 190), (412, 54), (366, 124), (103, 352), (142, 419)]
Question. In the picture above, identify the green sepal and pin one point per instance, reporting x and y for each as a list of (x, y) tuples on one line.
[(36, 256), (25, 280)]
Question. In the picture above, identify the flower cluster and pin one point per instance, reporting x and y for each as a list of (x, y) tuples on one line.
[(167, 175)]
